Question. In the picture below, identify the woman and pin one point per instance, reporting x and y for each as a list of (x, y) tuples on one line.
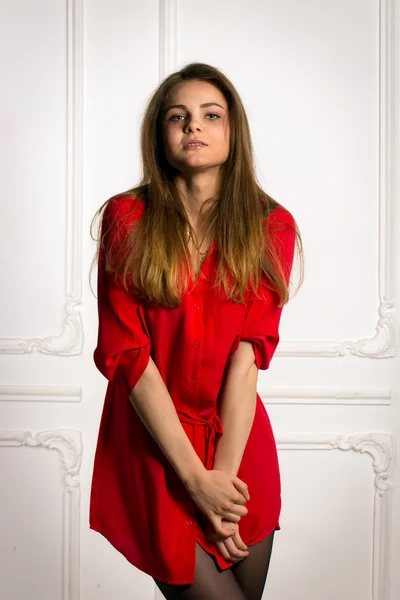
[(194, 267)]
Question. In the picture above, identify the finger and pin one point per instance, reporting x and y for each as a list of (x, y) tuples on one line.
[(239, 542), (241, 510), (242, 487), (234, 552), (238, 510), (239, 499), (231, 516), (222, 530), (222, 550)]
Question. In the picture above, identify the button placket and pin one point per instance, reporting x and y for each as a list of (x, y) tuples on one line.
[(196, 344)]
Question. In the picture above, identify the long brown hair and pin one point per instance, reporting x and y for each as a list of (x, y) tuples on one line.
[(153, 258)]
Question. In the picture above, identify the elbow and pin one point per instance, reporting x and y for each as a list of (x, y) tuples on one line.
[(105, 365), (127, 367), (243, 361), (253, 372)]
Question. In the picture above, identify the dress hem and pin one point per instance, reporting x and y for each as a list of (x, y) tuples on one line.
[(229, 564), (135, 563), (138, 565)]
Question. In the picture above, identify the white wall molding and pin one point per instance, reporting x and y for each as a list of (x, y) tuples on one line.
[(168, 36), (40, 393), (325, 396), (68, 443), (383, 342), (70, 340), (379, 446)]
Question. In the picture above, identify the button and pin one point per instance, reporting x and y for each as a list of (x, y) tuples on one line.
[(189, 522), (196, 306), (196, 344), (192, 382), (259, 301)]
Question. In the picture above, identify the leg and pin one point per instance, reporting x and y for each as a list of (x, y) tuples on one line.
[(251, 572), (209, 582)]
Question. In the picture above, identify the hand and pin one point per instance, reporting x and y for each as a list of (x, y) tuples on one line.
[(231, 548), (220, 495)]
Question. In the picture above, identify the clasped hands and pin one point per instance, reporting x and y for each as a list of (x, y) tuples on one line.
[(221, 496)]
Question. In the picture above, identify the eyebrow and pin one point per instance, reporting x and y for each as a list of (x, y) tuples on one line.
[(201, 106)]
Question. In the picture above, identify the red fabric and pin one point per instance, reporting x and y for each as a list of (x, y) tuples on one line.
[(138, 503)]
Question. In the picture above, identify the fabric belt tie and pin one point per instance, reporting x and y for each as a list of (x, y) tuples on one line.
[(213, 430)]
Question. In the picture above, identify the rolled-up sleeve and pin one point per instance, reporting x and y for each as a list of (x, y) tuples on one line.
[(261, 325), (123, 343)]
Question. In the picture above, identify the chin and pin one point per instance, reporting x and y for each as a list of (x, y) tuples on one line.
[(198, 168), (196, 165)]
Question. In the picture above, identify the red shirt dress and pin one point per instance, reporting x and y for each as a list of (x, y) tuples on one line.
[(138, 502)]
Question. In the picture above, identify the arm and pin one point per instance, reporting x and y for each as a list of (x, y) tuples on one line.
[(213, 491), (155, 407), (123, 354), (237, 410), (238, 404), (253, 349)]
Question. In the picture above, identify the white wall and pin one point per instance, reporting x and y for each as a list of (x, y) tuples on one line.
[(319, 81)]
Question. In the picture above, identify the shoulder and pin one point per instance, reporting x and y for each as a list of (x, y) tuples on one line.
[(280, 216), (124, 209), (282, 232), (281, 229)]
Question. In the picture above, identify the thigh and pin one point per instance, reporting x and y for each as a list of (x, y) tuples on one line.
[(209, 582), (251, 572)]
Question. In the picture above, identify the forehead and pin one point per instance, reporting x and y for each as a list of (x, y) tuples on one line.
[(195, 92)]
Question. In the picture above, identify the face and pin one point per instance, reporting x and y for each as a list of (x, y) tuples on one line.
[(196, 110)]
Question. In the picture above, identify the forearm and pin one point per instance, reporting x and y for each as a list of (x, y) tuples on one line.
[(237, 410), (156, 409)]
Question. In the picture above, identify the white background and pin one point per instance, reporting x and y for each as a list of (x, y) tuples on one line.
[(319, 81)]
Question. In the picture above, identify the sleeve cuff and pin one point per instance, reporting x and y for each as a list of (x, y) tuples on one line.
[(132, 364), (264, 349)]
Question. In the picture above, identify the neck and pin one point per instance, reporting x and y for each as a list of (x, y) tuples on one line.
[(194, 189)]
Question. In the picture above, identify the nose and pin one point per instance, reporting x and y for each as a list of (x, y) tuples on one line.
[(192, 124)]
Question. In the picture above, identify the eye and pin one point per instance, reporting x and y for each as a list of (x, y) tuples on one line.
[(210, 116)]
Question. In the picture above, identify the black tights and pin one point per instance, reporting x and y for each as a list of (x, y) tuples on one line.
[(244, 580)]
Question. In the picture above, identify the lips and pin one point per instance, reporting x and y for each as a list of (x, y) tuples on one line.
[(194, 142)]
